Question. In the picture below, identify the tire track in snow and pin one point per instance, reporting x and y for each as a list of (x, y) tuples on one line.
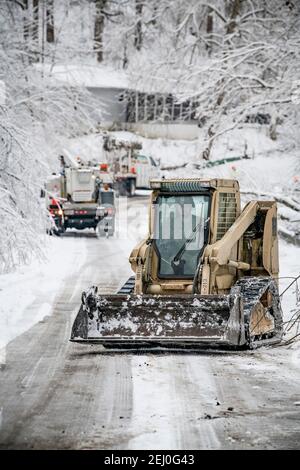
[(154, 416), (196, 393), (60, 388), (113, 406), (170, 393)]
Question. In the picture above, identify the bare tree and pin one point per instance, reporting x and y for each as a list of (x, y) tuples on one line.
[(234, 10), (253, 65), (209, 29), (138, 33), (50, 21), (99, 28), (24, 6), (35, 20)]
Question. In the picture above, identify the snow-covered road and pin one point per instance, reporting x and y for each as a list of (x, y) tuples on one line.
[(57, 394)]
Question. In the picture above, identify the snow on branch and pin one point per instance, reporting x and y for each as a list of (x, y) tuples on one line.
[(36, 113)]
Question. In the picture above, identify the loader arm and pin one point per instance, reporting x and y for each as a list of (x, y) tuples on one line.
[(220, 251)]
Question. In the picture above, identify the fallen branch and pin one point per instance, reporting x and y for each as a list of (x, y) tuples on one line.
[(174, 167), (222, 161), (289, 237), (281, 199)]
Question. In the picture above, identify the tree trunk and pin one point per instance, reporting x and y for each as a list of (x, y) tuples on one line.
[(35, 21), (209, 30), (99, 28), (49, 21), (138, 34), (235, 10), (125, 56), (273, 127), (25, 20), (154, 14), (206, 153)]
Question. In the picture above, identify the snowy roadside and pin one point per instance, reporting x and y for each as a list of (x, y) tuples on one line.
[(289, 265), (27, 295)]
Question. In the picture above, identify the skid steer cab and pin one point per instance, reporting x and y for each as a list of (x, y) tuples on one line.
[(106, 212), (205, 275)]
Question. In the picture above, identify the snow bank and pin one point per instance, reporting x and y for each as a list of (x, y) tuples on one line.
[(27, 295), (88, 75)]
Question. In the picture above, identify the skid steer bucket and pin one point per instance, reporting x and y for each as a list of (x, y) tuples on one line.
[(167, 321)]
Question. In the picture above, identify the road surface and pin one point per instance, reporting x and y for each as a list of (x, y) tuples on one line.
[(60, 395)]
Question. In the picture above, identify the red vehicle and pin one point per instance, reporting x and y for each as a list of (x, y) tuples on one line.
[(56, 214)]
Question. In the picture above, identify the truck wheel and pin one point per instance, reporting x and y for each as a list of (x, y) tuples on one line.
[(131, 189), (122, 188), (61, 230)]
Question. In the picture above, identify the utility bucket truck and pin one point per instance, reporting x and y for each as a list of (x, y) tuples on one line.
[(84, 197), (131, 169)]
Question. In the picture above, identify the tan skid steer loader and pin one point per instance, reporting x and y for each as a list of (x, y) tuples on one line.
[(205, 275)]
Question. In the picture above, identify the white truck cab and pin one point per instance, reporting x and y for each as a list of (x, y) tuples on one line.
[(146, 168)]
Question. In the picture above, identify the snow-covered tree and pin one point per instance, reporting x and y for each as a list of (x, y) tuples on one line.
[(36, 113), (235, 58)]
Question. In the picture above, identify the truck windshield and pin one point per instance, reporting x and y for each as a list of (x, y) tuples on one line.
[(181, 228)]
